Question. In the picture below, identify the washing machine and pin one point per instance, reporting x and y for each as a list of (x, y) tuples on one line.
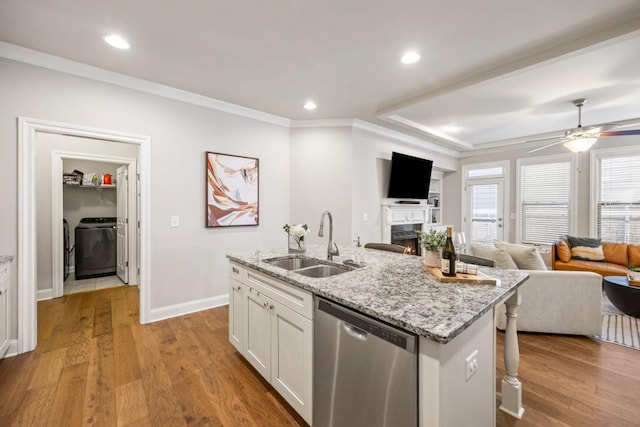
[(95, 247)]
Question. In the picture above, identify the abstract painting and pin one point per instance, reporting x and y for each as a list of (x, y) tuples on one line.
[(232, 190)]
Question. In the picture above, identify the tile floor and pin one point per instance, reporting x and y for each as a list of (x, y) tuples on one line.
[(72, 286)]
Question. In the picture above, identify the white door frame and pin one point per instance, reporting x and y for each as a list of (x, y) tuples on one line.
[(57, 214), (27, 273)]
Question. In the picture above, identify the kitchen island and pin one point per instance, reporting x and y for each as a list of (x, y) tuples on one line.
[(453, 322)]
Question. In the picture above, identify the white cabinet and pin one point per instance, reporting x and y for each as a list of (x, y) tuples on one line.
[(435, 198), (271, 325), (4, 308)]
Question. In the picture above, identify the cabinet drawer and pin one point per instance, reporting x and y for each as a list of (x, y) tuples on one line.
[(288, 295), (236, 272)]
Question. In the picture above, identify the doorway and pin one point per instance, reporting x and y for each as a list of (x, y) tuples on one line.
[(483, 202), (28, 133), (97, 243)]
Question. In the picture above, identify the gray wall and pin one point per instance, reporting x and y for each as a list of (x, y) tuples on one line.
[(187, 263)]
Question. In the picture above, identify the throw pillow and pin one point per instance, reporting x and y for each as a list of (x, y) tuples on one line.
[(563, 251), (586, 249), (500, 257), (526, 257)]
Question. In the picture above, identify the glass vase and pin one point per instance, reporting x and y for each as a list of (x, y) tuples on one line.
[(296, 245)]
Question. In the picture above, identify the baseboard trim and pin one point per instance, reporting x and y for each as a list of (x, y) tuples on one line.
[(12, 350), (187, 308), (45, 294)]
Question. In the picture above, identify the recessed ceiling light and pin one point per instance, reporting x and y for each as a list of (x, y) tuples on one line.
[(410, 58), (310, 105), (117, 41)]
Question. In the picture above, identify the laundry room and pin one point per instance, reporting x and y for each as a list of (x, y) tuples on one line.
[(90, 212)]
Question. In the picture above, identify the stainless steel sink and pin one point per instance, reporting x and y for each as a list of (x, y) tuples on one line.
[(322, 271), (293, 263)]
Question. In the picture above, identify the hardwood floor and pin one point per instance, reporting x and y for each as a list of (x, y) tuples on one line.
[(95, 365)]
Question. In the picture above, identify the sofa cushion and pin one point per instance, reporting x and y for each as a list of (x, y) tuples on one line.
[(615, 253), (633, 251), (562, 250), (501, 258), (585, 248), (526, 257), (602, 268)]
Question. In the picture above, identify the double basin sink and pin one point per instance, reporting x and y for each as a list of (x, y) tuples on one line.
[(310, 267)]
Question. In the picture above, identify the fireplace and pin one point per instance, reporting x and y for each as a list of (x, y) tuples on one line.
[(407, 236)]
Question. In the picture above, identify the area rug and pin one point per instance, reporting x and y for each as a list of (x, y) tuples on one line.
[(617, 327)]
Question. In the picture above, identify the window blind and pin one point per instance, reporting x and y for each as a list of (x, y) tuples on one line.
[(618, 207), (545, 206)]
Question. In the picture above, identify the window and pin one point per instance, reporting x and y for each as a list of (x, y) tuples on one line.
[(545, 204), (617, 201)]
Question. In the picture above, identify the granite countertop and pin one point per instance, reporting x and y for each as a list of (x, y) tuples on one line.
[(396, 289), (5, 258)]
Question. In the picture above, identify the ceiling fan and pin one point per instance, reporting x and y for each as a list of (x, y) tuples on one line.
[(581, 138)]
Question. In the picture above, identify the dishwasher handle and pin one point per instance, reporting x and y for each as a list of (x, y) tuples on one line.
[(364, 324), (354, 331)]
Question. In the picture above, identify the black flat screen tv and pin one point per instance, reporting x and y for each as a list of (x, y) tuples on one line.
[(409, 177)]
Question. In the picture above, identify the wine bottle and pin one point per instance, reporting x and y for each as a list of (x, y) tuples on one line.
[(448, 265)]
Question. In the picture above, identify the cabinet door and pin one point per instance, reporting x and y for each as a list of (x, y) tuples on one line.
[(257, 331), (292, 358), (4, 309), (236, 314)]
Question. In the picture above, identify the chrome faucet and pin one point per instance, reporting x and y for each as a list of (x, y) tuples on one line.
[(330, 251)]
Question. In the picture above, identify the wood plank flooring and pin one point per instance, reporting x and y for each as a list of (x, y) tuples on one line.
[(95, 365)]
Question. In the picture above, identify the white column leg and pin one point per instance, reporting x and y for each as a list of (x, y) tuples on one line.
[(511, 387)]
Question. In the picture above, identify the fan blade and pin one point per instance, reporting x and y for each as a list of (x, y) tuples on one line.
[(621, 132), (546, 146), (544, 139)]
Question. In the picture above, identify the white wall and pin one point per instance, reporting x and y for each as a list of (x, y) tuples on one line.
[(187, 263), (321, 176), (346, 170), (370, 171)]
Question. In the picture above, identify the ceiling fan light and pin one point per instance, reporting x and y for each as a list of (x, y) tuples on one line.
[(580, 145)]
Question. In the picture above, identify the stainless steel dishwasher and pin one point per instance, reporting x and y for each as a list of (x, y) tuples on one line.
[(365, 371)]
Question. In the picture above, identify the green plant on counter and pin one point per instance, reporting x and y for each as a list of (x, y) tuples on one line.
[(634, 268), (433, 240)]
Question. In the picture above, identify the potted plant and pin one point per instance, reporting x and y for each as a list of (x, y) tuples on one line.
[(432, 243)]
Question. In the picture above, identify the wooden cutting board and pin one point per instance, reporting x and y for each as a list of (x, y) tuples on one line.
[(459, 277)]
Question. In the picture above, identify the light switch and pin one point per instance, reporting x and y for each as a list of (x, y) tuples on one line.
[(365, 217), (175, 221)]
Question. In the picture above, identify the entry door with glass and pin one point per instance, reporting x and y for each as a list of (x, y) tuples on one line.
[(484, 217)]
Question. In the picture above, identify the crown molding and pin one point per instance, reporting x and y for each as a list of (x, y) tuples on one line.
[(322, 123), (399, 136), (52, 62)]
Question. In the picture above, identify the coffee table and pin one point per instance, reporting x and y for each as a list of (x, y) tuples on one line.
[(626, 298)]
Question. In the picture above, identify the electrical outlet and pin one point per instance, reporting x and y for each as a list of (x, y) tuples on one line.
[(365, 217), (471, 365), (175, 221)]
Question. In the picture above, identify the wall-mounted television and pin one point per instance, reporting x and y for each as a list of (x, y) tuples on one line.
[(409, 177)]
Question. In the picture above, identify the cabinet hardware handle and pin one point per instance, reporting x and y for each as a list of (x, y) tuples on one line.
[(265, 303), (0, 292), (235, 270), (271, 307), (238, 288)]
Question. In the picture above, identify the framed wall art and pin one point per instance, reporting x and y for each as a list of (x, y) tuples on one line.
[(232, 190)]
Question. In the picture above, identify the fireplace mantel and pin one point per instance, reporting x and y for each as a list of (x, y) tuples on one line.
[(402, 214)]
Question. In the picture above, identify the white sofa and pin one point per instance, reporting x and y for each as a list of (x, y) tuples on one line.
[(558, 302)]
